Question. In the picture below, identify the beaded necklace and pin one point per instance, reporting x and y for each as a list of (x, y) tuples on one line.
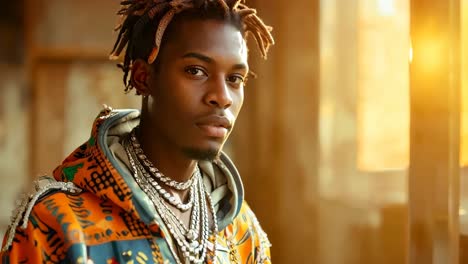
[(191, 241)]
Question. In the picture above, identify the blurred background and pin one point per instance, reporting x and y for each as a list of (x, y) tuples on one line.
[(352, 143)]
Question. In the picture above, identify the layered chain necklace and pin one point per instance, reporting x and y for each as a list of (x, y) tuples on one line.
[(191, 241)]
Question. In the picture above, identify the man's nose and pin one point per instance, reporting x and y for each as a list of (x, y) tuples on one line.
[(218, 94)]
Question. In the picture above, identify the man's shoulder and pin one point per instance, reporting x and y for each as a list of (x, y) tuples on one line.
[(65, 222), (249, 235), (43, 187), (246, 213), (246, 219), (62, 204), (71, 214)]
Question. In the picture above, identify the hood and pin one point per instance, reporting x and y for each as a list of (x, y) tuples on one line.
[(101, 166)]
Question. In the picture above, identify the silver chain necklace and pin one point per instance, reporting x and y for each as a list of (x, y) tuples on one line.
[(191, 241), (130, 148), (154, 171)]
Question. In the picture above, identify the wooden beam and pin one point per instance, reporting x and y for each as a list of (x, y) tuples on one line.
[(67, 54), (434, 140)]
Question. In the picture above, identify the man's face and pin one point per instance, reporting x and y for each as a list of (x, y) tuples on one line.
[(198, 89)]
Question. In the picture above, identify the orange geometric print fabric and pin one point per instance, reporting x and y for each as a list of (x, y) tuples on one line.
[(105, 223)]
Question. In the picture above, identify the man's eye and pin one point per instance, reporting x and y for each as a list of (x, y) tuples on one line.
[(235, 79), (195, 71)]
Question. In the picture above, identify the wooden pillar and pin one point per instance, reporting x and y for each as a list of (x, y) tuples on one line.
[(298, 111), (29, 46), (434, 141), (276, 142)]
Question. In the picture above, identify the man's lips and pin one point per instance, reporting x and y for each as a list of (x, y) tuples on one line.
[(215, 125)]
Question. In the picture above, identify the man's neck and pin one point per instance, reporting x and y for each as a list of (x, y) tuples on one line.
[(167, 159)]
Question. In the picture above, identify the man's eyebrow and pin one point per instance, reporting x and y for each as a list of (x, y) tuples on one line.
[(198, 56), (239, 66)]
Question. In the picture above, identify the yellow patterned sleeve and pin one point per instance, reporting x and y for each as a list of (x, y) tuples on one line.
[(246, 240), (260, 239)]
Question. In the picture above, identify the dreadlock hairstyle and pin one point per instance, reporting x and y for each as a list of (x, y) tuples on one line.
[(143, 23)]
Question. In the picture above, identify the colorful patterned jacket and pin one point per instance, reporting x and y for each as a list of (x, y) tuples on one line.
[(92, 210)]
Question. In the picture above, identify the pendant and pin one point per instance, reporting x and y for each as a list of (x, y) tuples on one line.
[(194, 244), (190, 235)]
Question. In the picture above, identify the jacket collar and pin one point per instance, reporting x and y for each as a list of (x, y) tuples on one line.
[(96, 167)]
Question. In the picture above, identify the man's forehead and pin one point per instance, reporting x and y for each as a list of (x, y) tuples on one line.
[(210, 38)]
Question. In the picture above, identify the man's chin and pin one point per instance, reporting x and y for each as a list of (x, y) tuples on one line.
[(203, 154)]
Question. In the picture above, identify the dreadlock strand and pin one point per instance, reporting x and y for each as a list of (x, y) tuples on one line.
[(246, 12), (122, 11), (155, 10), (180, 5), (235, 4), (259, 23), (122, 20), (257, 28), (118, 27), (119, 38), (266, 29), (126, 13), (128, 87), (177, 7), (138, 27), (261, 34), (137, 16), (122, 38), (128, 2), (125, 9), (259, 41), (154, 53), (114, 55), (142, 21), (136, 7), (126, 69), (225, 7), (122, 44), (141, 8), (241, 5), (165, 20)]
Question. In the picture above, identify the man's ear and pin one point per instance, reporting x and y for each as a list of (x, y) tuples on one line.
[(140, 77)]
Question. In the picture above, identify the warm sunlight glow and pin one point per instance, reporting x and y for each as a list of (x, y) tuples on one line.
[(386, 7), (429, 55), (383, 85), (464, 86), (461, 212), (464, 127), (410, 53), (464, 118)]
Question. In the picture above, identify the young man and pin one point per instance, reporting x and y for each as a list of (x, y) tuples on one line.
[(154, 186)]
